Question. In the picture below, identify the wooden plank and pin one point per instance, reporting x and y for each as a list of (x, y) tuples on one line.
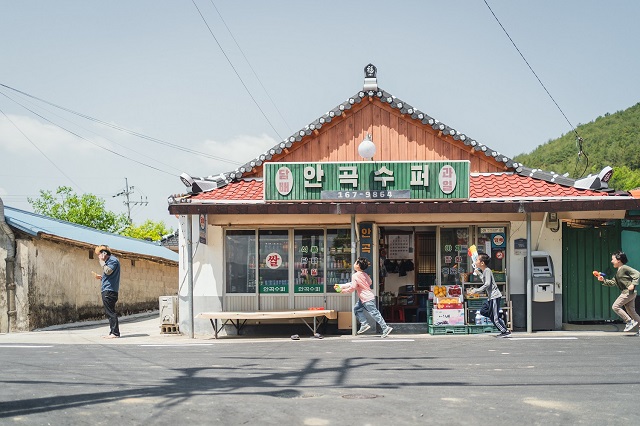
[(308, 313)]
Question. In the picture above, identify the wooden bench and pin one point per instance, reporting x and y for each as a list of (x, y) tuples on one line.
[(239, 319)]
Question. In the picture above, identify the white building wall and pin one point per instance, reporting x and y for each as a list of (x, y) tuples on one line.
[(208, 276)]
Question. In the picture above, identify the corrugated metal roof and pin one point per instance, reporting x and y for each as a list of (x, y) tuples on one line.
[(36, 225)]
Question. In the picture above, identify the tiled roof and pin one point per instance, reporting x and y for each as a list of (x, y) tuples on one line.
[(380, 96), (243, 189), (481, 186), (510, 185)]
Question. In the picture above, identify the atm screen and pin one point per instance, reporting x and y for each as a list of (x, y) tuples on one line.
[(540, 262)]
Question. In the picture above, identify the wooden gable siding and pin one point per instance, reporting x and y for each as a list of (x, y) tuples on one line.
[(397, 138)]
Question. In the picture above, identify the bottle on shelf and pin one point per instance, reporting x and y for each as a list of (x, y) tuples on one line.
[(479, 318)]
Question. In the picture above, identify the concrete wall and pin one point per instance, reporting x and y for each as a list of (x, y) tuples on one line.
[(54, 284)]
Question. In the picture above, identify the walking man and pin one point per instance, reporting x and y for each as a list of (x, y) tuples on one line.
[(110, 279)]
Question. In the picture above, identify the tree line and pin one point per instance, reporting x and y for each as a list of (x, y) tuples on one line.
[(610, 140)]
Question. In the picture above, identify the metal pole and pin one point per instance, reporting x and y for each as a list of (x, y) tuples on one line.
[(354, 322), (190, 272), (529, 274)]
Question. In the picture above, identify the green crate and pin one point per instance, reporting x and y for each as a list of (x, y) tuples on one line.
[(447, 329), (475, 303), (480, 329)]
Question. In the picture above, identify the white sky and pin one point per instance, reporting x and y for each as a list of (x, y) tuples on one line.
[(154, 68)]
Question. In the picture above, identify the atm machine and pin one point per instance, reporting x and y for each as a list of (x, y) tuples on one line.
[(542, 291)]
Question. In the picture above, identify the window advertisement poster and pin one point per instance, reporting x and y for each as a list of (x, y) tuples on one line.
[(308, 261), (202, 227), (400, 247), (365, 233)]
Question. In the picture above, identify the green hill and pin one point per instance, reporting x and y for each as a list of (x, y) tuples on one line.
[(610, 140)]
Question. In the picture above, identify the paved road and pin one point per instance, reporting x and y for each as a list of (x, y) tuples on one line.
[(74, 377)]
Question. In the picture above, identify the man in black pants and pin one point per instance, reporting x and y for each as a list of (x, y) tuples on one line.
[(110, 279)]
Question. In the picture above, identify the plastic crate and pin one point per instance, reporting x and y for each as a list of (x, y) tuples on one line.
[(447, 329), (477, 303), (480, 329)]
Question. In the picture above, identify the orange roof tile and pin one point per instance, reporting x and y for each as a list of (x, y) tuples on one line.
[(508, 185), (482, 186)]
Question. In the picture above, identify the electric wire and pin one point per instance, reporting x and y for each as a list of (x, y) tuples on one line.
[(251, 67), (41, 152), (234, 69), (90, 141), (579, 139), (123, 129), (90, 131)]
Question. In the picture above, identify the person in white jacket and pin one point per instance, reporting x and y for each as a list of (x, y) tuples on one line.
[(489, 284), (361, 282)]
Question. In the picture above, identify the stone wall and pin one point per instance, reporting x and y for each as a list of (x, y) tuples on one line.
[(55, 284)]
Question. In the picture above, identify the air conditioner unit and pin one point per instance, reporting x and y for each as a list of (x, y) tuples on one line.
[(169, 310)]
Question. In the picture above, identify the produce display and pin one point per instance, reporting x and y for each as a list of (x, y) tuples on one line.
[(448, 303), (440, 291)]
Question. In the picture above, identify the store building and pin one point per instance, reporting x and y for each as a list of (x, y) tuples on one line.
[(401, 188)]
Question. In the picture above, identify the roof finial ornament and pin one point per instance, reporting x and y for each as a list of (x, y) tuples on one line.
[(370, 79)]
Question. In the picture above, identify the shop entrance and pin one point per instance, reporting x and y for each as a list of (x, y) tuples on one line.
[(407, 272)]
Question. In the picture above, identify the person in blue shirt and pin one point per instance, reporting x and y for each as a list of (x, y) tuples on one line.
[(110, 279)]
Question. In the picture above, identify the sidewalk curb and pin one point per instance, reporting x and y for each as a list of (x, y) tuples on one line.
[(82, 324)]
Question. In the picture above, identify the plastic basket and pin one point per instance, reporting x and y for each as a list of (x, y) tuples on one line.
[(475, 303), (480, 329), (447, 329)]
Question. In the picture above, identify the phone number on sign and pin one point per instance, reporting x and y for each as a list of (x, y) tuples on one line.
[(365, 195)]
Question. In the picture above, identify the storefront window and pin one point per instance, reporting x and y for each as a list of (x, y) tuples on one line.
[(308, 261), (274, 261), (338, 257), (454, 259), (493, 242), (241, 261)]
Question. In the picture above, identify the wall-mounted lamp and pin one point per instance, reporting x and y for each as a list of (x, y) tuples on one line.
[(367, 149)]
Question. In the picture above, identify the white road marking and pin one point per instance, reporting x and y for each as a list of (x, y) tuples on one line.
[(178, 345), (543, 338), (382, 340), (25, 346)]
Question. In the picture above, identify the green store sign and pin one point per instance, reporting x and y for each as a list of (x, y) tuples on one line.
[(367, 181)]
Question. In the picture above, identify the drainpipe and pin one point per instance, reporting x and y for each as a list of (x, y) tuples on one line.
[(529, 280), (190, 272), (10, 274), (354, 322)]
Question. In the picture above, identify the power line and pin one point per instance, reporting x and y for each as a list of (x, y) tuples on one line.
[(88, 140), (41, 152), (249, 63), (526, 62), (90, 131), (579, 139), (234, 69), (123, 129)]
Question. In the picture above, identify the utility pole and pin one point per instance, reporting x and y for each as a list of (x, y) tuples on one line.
[(126, 192)]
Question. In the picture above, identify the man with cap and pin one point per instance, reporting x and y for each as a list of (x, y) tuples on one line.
[(110, 279)]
